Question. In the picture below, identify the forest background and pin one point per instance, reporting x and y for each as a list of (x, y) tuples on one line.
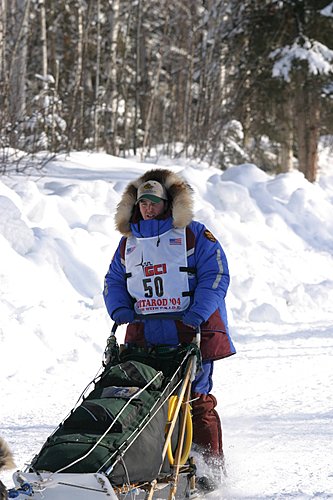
[(213, 80)]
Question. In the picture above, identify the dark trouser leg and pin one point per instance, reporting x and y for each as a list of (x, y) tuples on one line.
[(207, 430)]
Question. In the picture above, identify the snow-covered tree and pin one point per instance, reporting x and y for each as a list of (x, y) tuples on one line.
[(279, 62)]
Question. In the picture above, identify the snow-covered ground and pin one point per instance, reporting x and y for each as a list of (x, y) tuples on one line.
[(275, 396)]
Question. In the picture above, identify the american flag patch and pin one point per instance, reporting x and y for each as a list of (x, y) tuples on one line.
[(175, 241)]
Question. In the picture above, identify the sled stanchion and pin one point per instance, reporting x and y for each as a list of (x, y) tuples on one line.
[(111, 352), (150, 492), (174, 483), (179, 403), (191, 371)]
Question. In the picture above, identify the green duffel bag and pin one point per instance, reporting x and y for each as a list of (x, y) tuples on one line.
[(98, 434)]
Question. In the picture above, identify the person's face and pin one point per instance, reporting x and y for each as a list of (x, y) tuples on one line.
[(149, 209)]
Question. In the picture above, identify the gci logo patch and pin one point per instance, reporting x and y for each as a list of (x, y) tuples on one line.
[(155, 270)]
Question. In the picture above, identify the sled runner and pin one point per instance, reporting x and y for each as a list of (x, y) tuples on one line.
[(129, 434)]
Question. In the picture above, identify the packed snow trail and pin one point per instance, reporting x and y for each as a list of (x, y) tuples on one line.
[(276, 402)]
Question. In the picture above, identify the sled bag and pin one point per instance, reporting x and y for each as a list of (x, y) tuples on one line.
[(119, 424)]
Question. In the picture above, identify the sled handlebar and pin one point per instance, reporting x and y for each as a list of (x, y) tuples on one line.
[(111, 349), (138, 318), (176, 317)]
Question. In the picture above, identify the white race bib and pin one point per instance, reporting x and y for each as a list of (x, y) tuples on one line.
[(154, 277)]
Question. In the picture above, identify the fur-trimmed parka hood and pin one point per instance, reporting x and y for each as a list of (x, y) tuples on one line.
[(179, 197)]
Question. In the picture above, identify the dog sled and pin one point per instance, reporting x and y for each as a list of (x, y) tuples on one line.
[(129, 435)]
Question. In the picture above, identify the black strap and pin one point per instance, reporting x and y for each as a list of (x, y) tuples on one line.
[(128, 275), (185, 269), (190, 293)]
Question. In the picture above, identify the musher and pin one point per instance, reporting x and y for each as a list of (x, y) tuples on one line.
[(168, 263)]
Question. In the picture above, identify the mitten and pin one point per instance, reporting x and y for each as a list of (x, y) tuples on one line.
[(123, 315), (192, 319)]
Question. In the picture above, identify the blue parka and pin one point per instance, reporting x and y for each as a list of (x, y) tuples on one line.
[(208, 277)]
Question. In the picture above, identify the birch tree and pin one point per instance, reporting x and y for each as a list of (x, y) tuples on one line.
[(3, 70), (112, 95), (3, 26), (19, 14)]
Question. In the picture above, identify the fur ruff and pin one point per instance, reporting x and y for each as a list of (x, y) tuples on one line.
[(179, 193), (6, 457), (6, 462)]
